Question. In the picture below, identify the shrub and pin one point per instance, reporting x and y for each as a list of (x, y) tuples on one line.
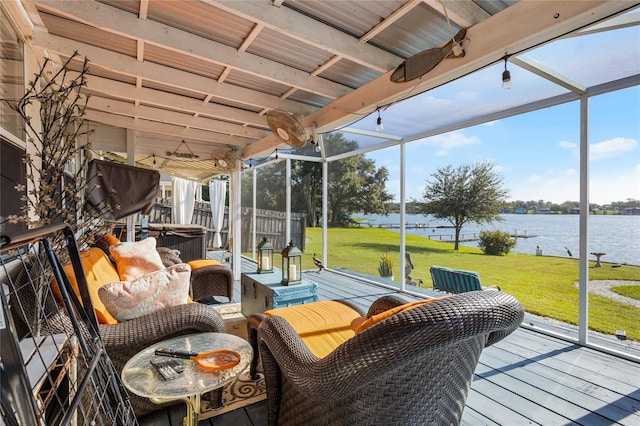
[(386, 266), (496, 243)]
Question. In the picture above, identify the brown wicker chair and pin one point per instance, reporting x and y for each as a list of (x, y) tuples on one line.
[(206, 281), (413, 368), (121, 340)]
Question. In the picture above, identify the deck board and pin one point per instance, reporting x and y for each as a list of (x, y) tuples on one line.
[(527, 378), (570, 401), (506, 363)]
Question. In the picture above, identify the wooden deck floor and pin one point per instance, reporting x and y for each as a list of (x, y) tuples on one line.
[(527, 378)]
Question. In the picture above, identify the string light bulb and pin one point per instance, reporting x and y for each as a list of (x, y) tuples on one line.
[(506, 77), (379, 126)]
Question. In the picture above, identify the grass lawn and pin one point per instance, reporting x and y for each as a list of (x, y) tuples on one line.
[(628, 291), (545, 285)]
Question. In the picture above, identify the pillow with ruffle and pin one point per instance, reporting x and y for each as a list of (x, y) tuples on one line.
[(136, 258), (150, 293)]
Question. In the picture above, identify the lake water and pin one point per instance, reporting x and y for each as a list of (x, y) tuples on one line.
[(618, 236)]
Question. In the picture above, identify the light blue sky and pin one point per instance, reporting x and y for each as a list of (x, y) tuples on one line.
[(538, 152)]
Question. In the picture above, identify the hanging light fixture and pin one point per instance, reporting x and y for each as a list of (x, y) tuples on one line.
[(506, 76), (379, 126)]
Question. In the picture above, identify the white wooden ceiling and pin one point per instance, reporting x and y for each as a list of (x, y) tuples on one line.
[(198, 76)]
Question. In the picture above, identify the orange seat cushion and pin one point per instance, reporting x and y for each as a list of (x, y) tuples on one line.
[(200, 263), (98, 271), (373, 320), (322, 326), (111, 239)]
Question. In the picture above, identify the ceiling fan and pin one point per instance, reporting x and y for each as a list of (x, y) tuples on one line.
[(225, 161), (287, 128)]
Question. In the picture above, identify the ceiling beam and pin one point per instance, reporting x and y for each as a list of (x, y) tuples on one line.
[(390, 20), (185, 104), (311, 32), (165, 75), (547, 73), (113, 20), (462, 13), (162, 128), (168, 117)]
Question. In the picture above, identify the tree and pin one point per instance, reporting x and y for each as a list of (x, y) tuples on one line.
[(469, 193), (355, 184)]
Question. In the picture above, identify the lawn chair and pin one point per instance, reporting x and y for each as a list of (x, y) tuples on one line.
[(456, 280)]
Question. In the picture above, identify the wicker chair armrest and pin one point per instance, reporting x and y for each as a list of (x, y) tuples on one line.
[(161, 325), (214, 280), (384, 304), (169, 256)]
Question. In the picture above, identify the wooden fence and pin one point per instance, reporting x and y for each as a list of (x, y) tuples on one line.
[(269, 223)]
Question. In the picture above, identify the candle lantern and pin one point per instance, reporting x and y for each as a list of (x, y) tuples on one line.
[(265, 257), (291, 265)]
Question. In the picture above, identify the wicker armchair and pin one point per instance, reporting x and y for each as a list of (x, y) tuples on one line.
[(206, 281), (415, 367), (121, 340)]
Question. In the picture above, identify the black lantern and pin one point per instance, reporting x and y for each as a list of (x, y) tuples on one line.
[(291, 265), (265, 257)]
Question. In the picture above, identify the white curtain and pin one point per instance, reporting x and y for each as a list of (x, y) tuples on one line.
[(184, 199), (217, 194)]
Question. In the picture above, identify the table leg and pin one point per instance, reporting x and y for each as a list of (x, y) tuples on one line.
[(193, 410)]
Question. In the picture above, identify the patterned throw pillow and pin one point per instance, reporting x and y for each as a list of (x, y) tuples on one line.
[(126, 300), (137, 258)]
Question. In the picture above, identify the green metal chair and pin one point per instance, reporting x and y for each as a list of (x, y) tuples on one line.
[(457, 280)]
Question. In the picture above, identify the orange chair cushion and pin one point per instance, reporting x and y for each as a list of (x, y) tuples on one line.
[(111, 239), (322, 326), (373, 320), (98, 271), (200, 263)]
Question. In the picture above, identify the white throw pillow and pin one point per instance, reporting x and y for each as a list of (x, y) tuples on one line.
[(157, 290), (137, 258)]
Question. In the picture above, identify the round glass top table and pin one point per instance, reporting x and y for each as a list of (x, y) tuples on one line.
[(142, 378)]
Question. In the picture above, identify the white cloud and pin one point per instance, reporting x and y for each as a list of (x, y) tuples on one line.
[(558, 186), (431, 100), (467, 95), (450, 141), (568, 145), (612, 148)]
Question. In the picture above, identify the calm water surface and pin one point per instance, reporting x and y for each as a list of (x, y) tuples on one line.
[(618, 236)]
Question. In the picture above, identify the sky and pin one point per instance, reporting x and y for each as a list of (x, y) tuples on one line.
[(537, 153)]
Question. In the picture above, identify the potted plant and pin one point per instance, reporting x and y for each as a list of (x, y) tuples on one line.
[(386, 266)]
